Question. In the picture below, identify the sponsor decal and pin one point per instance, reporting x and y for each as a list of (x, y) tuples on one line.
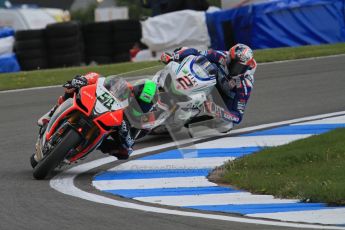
[(230, 117), (187, 81), (245, 88), (112, 116), (241, 106), (88, 95), (222, 61)]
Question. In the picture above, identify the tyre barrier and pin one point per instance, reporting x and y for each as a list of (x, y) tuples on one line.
[(30, 49), (108, 42), (64, 46), (71, 44), (126, 33), (98, 42)]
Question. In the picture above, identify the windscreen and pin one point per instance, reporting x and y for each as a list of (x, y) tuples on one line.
[(203, 68), (118, 87)]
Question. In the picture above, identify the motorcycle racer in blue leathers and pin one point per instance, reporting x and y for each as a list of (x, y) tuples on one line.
[(235, 78)]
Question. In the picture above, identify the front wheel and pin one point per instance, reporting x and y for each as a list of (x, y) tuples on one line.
[(70, 140), (33, 162)]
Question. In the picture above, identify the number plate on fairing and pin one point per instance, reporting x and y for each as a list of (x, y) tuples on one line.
[(105, 101)]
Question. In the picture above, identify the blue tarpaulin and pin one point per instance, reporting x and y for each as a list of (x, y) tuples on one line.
[(9, 63), (281, 23), (6, 32)]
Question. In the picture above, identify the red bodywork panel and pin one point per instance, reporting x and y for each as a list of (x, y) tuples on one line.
[(88, 99), (111, 118)]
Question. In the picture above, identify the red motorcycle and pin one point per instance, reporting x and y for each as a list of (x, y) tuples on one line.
[(79, 125)]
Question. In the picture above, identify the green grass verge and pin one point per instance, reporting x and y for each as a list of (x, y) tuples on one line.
[(48, 77), (311, 169), (280, 54), (26, 79)]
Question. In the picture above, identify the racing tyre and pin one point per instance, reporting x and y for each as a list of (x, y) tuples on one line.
[(33, 64), (58, 43), (63, 29), (23, 35), (31, 54), (69, 59), (29, 44), (54, 158), (103, 28), (127, 36), (123, 47), (125, 25), (102, 49), (33, 162), (91, 39), (122, 57), (64, 51)]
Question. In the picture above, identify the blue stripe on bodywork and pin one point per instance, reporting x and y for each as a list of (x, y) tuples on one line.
[(131, 193)]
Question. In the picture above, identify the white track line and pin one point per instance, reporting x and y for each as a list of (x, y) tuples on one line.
[(328, 216), (174, 182), (64, 183), (329, 121), (184, 163), (265, 63), (29, 89), (251, 141), (215, 199)]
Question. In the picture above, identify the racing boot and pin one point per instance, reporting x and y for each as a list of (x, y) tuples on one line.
[(224, 127), (46, 117), (112, 148), (121, 153)]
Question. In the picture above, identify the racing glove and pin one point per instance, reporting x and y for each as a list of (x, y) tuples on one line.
[(76, 83), (166, 58)]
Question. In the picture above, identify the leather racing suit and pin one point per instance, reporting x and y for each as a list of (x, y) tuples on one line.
[(235, 98)]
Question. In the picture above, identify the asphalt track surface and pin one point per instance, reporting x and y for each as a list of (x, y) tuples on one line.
[(282, 91)]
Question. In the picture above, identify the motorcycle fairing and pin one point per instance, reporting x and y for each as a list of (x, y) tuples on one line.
[(85, 103)]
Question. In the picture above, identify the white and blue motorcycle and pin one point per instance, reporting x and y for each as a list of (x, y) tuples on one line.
[(184, 90)]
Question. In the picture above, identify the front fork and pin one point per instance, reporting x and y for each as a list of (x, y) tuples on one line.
[(44, 146)]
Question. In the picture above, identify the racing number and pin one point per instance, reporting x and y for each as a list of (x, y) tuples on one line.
[(185, 82), (106, 100)]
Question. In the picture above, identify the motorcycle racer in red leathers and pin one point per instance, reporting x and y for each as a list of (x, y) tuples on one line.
[(121, 143)]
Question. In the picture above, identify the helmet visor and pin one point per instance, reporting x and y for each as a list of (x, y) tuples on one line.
[(148, 92), (236, 68)]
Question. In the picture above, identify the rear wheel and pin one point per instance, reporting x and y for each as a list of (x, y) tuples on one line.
[(53, 159)]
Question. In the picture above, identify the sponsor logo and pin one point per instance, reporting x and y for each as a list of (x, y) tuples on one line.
[(230, 117), (241, 106), (91, 75), (88, 95), (112, 116)]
